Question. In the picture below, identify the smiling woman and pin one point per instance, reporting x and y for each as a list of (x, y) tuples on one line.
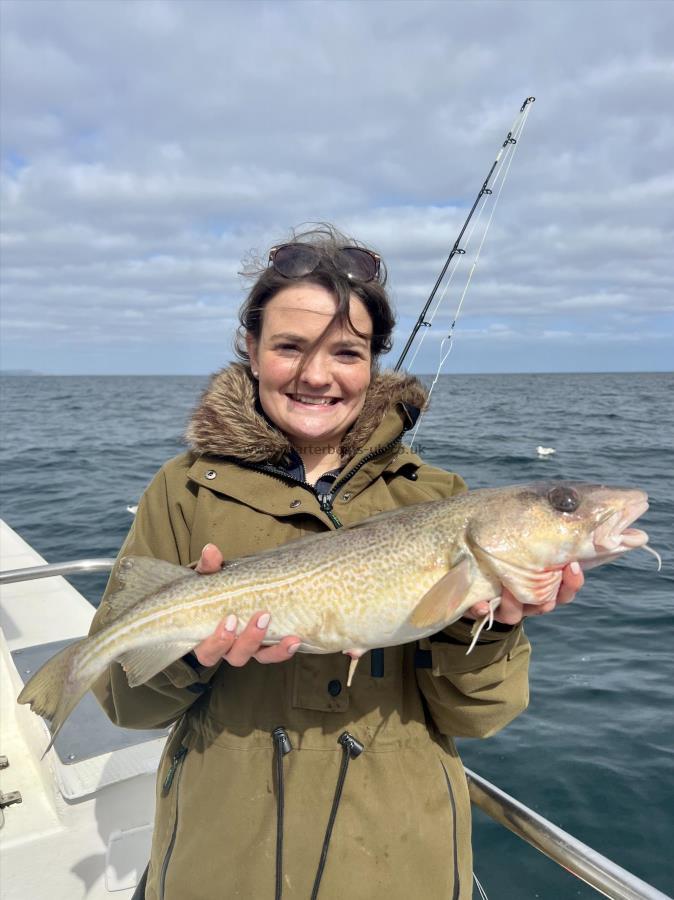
[(313, 371), (314, 323), (302, 436)]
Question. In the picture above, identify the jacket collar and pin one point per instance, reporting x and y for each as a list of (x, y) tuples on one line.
[(228, 422)]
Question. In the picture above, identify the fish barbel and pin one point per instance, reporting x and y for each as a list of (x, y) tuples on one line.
[(395, 578)]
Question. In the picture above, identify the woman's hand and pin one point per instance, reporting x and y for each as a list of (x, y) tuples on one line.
[(224, 644), (510, 611)]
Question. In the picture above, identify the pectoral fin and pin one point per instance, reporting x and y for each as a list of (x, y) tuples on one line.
[(443, 603)]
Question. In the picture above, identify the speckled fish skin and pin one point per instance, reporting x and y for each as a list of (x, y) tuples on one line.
[(397, 577)]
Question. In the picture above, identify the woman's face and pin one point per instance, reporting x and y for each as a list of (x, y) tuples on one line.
[(316, 411)]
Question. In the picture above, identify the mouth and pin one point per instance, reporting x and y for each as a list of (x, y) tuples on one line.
[(614, 535), (313, 401)]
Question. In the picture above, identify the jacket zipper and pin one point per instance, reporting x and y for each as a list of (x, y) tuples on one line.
[(176, 768), (337, 486), (325, 501)]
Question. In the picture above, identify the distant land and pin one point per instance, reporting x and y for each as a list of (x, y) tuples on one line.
[(19, 372)]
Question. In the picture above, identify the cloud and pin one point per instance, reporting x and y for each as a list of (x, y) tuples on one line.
[(148, 148)]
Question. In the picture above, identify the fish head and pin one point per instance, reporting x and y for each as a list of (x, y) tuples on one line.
[(526, 534)]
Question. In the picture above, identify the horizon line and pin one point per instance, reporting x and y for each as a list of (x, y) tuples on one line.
[(29, 373)]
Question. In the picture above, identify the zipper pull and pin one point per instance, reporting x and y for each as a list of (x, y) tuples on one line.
[(325, 502), (177, 757)]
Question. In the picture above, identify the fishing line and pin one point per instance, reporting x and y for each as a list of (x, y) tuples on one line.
[(505, 160), (482, 892), (484, 195), (442, 296), (485, 189), (449, 337)]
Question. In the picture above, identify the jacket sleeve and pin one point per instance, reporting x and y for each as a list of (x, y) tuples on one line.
[(475, 695), (160, 530), (478, 694)]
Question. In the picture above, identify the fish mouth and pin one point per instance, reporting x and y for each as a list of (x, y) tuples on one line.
[(615, 535)]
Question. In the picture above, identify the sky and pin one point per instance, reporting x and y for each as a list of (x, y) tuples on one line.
[(150, 149)]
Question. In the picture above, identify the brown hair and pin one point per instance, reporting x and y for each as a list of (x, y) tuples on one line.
[(328, 241)]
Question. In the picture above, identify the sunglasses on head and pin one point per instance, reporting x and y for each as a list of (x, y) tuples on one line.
[(298, 260)]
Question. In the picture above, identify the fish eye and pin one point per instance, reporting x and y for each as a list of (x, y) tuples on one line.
[(565, 499)]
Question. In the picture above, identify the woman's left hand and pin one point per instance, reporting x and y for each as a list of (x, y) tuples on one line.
[(510, 611)]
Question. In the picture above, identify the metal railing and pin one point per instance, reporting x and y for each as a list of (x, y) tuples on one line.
[(78, 566), (601, 873), (605, 876)]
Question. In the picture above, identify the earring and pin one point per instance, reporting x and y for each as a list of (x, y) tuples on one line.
[(256, 374)]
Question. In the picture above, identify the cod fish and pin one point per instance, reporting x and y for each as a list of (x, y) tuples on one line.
[(397, 577)]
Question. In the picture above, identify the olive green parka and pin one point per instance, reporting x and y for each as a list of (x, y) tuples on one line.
[(402, 824)]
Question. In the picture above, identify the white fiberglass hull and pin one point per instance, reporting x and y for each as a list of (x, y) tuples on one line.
[(83, 826)]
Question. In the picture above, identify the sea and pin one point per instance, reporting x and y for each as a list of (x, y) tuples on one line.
[(594, 752)]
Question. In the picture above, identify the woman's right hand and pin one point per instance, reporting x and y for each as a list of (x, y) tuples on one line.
[(224, 644)]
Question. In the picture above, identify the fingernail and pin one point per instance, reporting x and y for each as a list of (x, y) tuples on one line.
[(263, 621), (230, 623), (205, 547), (293, 648), (575, 568)]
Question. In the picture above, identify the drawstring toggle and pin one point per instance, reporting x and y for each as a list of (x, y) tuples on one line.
[(282, 741), (353, 747)]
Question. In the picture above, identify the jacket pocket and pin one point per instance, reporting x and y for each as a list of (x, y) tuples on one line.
[(319, 682), (171, 787)]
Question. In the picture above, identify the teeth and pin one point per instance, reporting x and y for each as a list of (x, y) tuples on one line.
[(314, 401)]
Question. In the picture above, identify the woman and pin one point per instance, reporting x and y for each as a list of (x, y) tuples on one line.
[(360, 791)]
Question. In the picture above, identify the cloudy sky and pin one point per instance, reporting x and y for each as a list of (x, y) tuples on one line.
[(150, 147)]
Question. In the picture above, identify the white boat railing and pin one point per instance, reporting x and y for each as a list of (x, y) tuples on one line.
[(602, 874)]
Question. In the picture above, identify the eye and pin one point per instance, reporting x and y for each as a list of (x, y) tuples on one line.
[(565, 499), (287, 347)]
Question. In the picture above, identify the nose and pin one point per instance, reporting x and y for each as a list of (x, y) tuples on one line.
[(316, 372)]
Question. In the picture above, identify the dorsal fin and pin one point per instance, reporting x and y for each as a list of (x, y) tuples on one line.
[(140, 576)]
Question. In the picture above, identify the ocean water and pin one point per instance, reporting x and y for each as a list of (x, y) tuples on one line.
[(595, 750)]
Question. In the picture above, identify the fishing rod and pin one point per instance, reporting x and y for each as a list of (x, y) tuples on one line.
[(485, 191)]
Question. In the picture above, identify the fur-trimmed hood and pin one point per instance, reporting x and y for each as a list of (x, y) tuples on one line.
[(228, 422)]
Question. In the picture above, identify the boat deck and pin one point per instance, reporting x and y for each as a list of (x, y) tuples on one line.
[(86, 808)]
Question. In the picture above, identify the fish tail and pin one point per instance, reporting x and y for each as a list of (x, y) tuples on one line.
[(56, 688)]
